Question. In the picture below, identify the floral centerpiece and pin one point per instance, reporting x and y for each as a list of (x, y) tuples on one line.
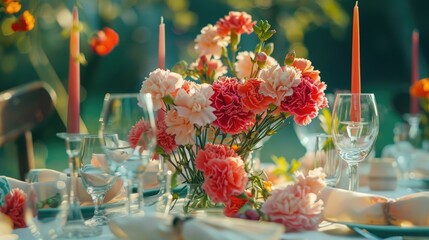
[(420, 90), (213, 112)]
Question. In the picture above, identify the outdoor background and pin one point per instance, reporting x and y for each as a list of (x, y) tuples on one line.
[(316, 29)]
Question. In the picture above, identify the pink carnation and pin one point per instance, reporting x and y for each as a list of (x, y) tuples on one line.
[(160, 84), (307, 70), (239, 22), (180, 127), (314, 180), (14, 207), (251, 98), (294, 207), (211, 152), (231, 117), (224, 177), (306, 101), (163, 139), (134, 137)]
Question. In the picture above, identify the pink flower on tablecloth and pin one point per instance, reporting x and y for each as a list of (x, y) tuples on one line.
[(209, 42), (244, 64), (279, 82), (231, 117), (295, 207), (239, 22), (210, 152), (306, 101), (196, 105), (163, 139), (251, 98), (160, 84), (180, 127), (314, 180), (14, 207)]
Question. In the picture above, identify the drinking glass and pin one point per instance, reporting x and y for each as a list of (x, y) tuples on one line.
[(326, 157), (355, 126), (129, 138), (96, 176)]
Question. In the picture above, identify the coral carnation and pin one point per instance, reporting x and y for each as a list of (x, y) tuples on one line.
[(14, 207), (307, 98), (231, 117), (238, 22), (104, 41), (251, 98), (210, 152), (420, 88), (209, 43), (234, 205)]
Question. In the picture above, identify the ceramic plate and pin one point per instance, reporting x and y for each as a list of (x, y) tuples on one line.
[(390, 230)]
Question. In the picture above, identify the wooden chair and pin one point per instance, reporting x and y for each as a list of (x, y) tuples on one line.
[(21, 109)]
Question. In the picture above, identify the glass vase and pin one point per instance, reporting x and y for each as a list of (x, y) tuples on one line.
[(196, 198)]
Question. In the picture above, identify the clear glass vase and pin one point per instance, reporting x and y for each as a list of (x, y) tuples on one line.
[(196, 198)]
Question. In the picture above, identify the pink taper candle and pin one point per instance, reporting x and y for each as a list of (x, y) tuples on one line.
[(73, 115), (414, 108), (161, 45), (355, 108)]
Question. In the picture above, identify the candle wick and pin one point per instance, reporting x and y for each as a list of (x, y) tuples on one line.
[(356, 3), (162, 19)]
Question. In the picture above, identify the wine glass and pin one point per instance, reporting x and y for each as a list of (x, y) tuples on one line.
[(96, 176), (355, 126), (129, 138)]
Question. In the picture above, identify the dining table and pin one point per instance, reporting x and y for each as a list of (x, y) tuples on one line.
[(326, 230)]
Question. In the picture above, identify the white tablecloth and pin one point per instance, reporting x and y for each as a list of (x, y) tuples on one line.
[(328, 232)]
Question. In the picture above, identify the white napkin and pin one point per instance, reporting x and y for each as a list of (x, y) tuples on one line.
[(347, 206), (142, 227)]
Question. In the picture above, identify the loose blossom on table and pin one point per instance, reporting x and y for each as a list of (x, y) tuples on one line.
[(213, 112), (14, 207)]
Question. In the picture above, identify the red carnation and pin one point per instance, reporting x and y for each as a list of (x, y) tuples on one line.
[(14, 207)]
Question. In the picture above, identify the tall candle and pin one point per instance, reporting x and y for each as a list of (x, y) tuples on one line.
[(414, 108), (355, 104), (161, 45), (73, 115)]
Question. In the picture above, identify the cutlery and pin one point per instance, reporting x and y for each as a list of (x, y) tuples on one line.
[(370, 236)]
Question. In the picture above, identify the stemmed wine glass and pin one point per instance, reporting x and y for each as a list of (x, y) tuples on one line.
[(96, 176), (355, 126), (129, 138)]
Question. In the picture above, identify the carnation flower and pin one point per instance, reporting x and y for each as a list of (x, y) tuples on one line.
[(307, 98), (104, 41), (420, 88), (136, 132), (231, 117), (160, 84), (244, 64), (195, 105), (14, 207), (295, 207), (24, 23), (314, 180), (210, 43), (224, 177), (251, 98), (210, 152), (163, 139), (239, 22), (307, 70), (235, 204), (209, 68), (279, 82), (180, 127)]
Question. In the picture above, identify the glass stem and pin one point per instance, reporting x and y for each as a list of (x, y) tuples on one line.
[(353, 177), (98, 200), (74, 209)]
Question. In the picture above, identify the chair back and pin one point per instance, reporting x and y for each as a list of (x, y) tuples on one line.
[(21, 109)]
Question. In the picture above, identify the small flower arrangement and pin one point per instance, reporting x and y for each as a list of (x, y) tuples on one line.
[(209, 124), (14, 207), (420, 90)]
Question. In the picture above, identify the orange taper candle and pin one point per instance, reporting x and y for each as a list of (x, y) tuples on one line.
[(161, 45), (73, 115), (355, 108)]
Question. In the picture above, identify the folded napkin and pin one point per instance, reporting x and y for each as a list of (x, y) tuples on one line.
[(160, 227), (347, 206)]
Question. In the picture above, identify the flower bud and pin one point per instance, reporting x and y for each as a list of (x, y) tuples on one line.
[(290, 58), (261, 59), (268, 48)]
